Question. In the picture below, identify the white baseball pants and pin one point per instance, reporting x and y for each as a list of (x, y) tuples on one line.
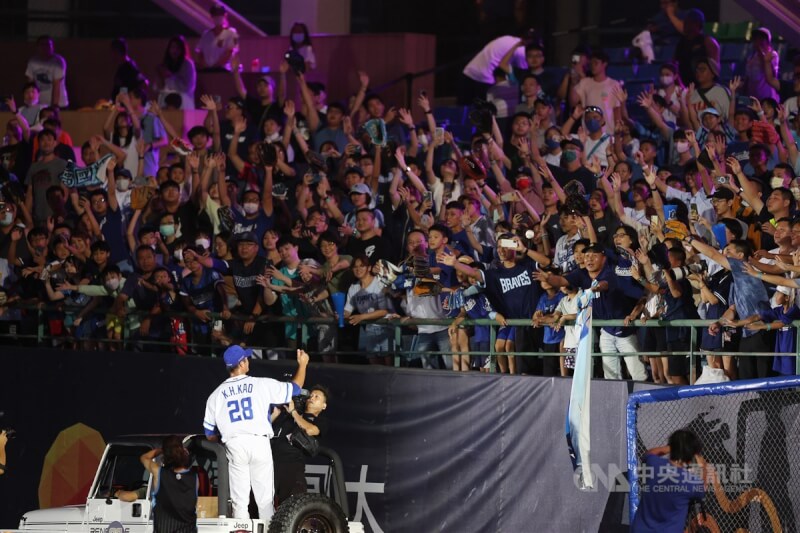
[(250, 464)]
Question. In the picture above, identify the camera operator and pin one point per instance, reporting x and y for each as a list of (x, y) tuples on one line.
[(288, 457), (3, 441)]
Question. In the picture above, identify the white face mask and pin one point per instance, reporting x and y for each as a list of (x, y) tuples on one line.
[(112, 284), (666, 81), (123, 184), (298, 37), (775, 182), (205, 243), (682, 146), (250, 209)]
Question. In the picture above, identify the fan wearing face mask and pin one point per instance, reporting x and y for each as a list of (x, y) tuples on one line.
[(594, 90), (598, 140), (671, 89), (300, 41), (110, 282), (123, 189), (681, 152), (217, 44)]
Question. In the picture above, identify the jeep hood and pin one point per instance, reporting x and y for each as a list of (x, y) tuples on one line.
[(52, 518)]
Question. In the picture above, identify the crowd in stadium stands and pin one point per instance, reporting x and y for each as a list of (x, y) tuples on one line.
[(677, 202)]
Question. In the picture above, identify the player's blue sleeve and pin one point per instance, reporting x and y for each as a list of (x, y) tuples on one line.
[(295, 391), (210, 429)]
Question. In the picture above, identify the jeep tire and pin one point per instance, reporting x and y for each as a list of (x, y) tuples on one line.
[(308, 512)]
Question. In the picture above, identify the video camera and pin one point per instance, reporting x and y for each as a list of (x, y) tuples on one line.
[(296, 61), (300, 400)]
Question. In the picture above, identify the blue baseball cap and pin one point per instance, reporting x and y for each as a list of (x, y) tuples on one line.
[(235, 354)]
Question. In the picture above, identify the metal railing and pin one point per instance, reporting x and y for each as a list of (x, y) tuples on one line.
[(306, 326)]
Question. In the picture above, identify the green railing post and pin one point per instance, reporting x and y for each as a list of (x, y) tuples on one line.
[(692, 369), (40, 326), (492, 358), (797, 351), (303, 335), (126, 331), (398, 342)]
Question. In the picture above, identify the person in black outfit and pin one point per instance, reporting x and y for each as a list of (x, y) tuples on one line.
[(175, 493), (289, 460), (693, 45), (127, 75)]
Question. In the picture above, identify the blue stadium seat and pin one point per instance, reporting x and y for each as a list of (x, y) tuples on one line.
[(727, 70), (620, 72), (733, 52), (618, 55), (647, 72), (664, 53), (638, 114), (452, 114), (462, 132), (635, 88)]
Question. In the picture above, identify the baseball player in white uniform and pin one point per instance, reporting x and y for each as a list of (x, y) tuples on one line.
[(238, 413)]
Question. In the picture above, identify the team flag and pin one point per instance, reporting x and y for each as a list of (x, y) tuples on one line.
[(578, 421)]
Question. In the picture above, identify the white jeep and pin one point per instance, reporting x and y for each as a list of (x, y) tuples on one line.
[(120, 469)]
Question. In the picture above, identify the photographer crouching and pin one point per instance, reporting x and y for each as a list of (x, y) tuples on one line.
[(297, 425)]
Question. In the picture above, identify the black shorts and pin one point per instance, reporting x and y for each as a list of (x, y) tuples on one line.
[(678, 365), (654, 340), (290, 479)]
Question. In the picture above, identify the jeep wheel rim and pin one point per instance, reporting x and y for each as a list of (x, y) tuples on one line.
[(315, 524)]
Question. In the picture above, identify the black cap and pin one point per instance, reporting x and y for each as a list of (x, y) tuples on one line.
[(593, 109), (695, 15), (595, 248), (238, 101), (524, 171), (746, 111), (723, 193), (574, 142), (122, 173), (246, 236)]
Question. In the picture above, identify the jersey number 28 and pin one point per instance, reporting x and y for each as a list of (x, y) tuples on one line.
[(240, 409)]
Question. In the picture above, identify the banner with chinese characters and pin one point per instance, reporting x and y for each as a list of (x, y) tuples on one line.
[(422, 450)]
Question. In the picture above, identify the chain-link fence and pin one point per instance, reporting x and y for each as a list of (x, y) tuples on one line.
[(751, 435)]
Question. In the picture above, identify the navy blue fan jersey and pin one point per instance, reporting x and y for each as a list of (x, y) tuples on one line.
[(615, 303), (512, 291)]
